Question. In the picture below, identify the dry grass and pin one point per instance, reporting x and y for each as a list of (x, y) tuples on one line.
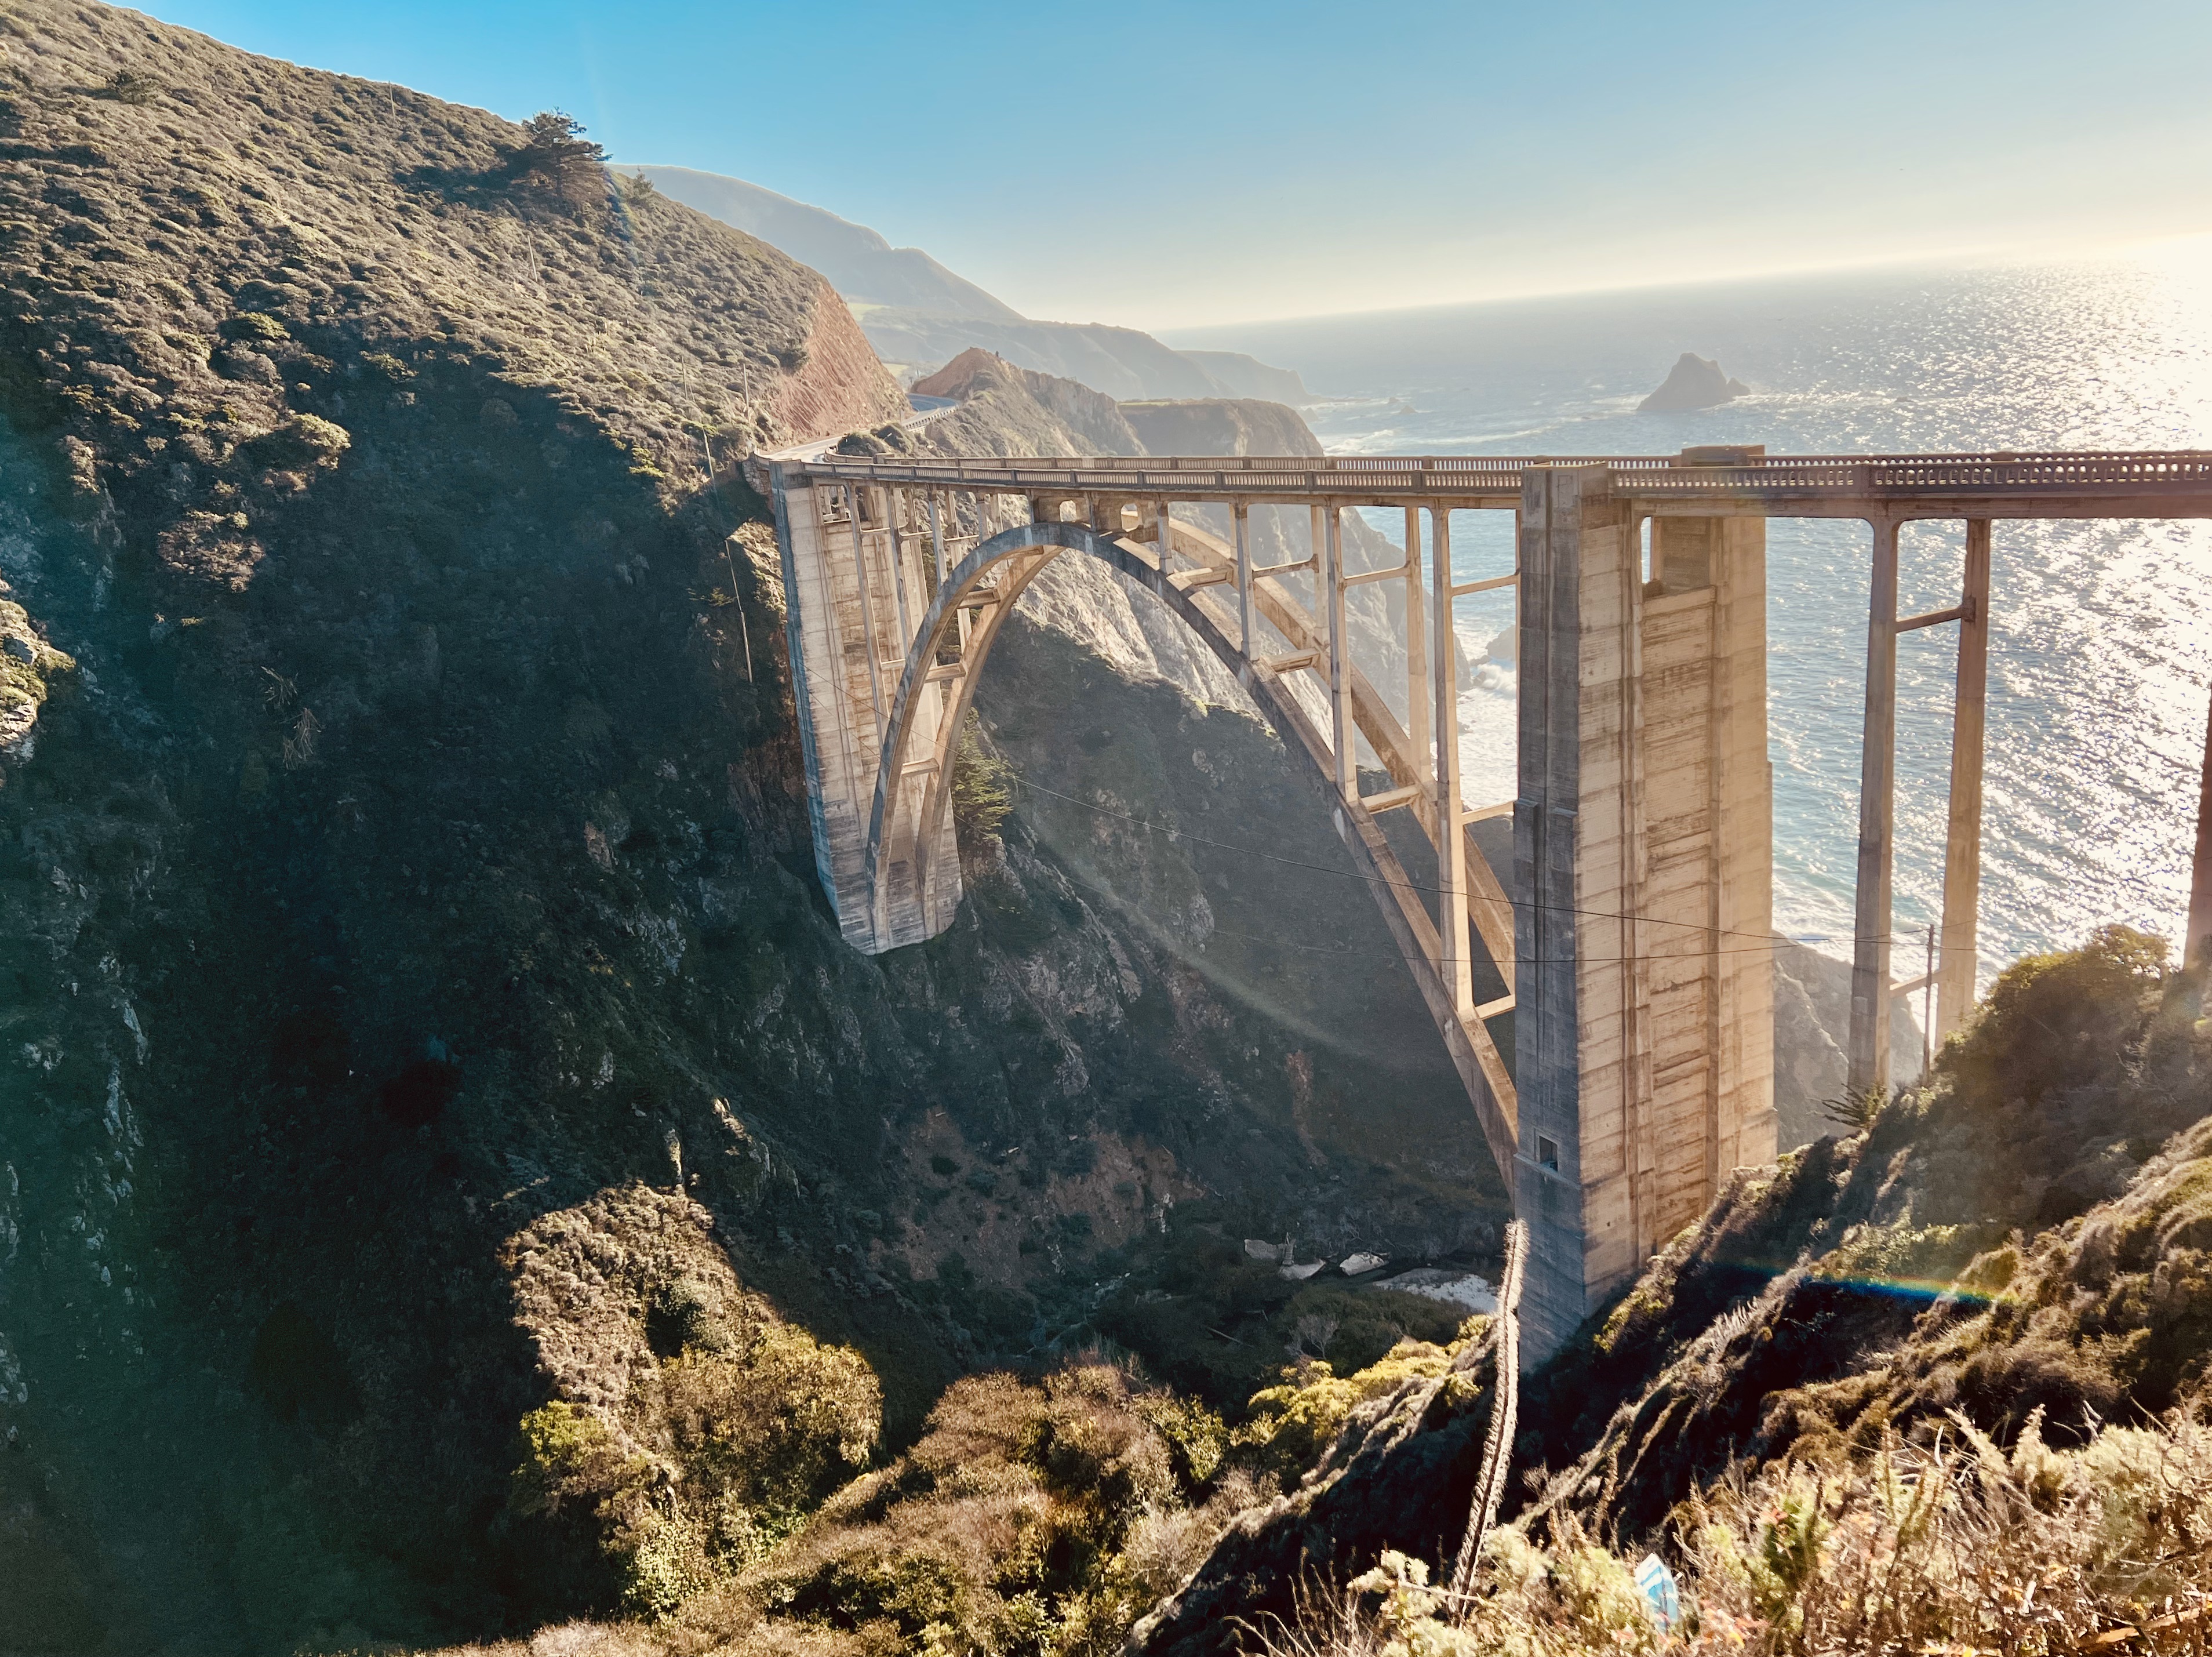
[(1962, 1547)]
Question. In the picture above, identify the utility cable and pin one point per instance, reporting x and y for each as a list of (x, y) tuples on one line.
[(1768, 943), (1398, 957)]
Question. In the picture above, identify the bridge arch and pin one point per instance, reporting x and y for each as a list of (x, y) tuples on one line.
[(912, 794)]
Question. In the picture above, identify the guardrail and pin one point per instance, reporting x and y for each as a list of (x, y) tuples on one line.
[(1898, 478)]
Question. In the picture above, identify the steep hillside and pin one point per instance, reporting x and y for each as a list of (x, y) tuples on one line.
[(2020, 1248), (863, 266), (1120, 361), (1243, 375), (404, 866), (1219, 426), (1006, 409)]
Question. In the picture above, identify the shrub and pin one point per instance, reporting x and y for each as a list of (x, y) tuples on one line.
[(773, 1429), (127, 86), (1954, 1546), (1031, 1518), (304, 439), (255, 327), (2054, 1020), (1290, 1425)]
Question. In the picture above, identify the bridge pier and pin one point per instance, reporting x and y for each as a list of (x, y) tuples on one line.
[(1643, 851)]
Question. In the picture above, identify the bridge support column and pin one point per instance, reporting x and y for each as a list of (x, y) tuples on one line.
[(1644, 1028), (1707, 823), (1867, 1061), (1955, 971)]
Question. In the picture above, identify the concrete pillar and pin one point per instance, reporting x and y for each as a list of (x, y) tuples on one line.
[(1419, 722), (842, 593), (2199, 938), (1866, 1060), (1344, 734), (1454, 967), (1955, 971), (1705, 820), (1241, 519), (864, 582), (1574, 637)]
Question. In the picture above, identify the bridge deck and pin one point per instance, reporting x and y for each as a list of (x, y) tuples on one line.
[(2092, 485)]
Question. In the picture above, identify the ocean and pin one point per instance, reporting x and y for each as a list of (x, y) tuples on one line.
[(2101, 644)]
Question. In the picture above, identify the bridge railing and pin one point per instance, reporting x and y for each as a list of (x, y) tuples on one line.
[(1896, 477)]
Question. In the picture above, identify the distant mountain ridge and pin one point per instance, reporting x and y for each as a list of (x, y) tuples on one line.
[(919, 315), (859, 264)]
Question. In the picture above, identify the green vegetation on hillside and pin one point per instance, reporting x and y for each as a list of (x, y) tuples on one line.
[(1995, 1302)]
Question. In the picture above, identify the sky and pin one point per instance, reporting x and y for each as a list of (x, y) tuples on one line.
[(1163, 165)]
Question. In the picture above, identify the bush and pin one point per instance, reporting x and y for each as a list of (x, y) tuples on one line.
[(255, 327), (304, 439), (2056, 1020), (771, 1429), (1291, 1424), (127, 86), (1031, 1518), (1957, 1546), (747, 1445)]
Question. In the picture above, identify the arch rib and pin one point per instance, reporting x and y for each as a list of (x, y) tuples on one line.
[(996, 572)]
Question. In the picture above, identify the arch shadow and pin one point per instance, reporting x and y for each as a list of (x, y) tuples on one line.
[(1002, 568)]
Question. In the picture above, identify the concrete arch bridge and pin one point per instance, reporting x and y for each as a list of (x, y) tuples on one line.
[(1631, 932)]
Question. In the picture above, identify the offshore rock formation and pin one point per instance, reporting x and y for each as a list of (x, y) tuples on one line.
[(1694, 382)]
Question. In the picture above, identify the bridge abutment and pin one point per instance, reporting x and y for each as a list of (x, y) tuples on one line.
[(857, 580)]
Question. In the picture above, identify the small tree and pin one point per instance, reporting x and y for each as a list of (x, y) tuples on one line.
[(556, 154)]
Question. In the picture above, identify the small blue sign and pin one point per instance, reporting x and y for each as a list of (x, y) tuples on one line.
[(1660, 1596)]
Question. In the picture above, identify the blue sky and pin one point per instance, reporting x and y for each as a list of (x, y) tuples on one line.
[(1165, 165)]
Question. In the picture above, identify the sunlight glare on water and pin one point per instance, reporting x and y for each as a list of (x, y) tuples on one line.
[(2102, 632)]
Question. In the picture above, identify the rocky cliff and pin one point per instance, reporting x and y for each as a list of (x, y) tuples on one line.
[(1219, 426)]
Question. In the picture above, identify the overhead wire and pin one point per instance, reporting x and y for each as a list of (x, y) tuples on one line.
[(1766, 942)]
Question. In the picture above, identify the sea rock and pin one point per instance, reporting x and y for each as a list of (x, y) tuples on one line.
[(1695, 382)]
